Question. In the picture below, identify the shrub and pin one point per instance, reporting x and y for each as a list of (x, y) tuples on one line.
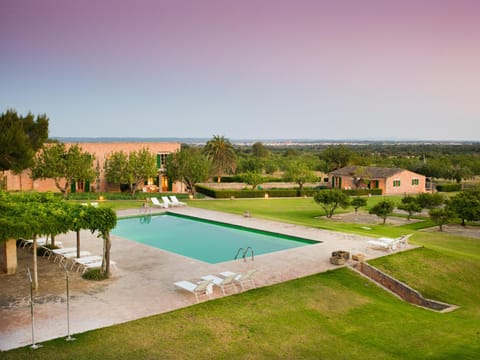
[(94, 274)]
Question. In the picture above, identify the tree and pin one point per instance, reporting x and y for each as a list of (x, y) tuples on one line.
[(441, 216), (30, 215), (259, 150), (330, 200), (189, 166), (358, 202), (252, 178), (20, 138), (298, 171), (336, 156), (410, 205), (57, 162), (466, 205), (132, 168), (222, 155), (383, 209), (430, 201)]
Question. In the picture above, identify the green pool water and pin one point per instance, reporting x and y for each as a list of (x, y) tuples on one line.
[(203, 240)]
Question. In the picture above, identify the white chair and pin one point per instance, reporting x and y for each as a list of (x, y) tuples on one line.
[(175, 202), (202, 288), (223, 283), (157, 203)]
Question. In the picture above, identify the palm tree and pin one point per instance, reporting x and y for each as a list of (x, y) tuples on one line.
[(222, 155)]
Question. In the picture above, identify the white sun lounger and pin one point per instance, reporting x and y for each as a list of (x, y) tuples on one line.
[(204, 287), (167, 201), (175, 202), (85, 260), (157, 203), (223, 283), (384, 245), (242, 279), (97, 264)]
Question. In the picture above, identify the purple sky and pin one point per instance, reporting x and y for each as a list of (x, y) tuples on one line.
[(261, 69)]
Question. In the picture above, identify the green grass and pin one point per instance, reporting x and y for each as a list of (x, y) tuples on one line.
[(332, 315)]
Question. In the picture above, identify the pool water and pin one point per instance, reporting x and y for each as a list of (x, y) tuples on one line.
[(203, 240)]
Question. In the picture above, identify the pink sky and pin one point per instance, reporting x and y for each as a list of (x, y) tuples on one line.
[(245, 69)]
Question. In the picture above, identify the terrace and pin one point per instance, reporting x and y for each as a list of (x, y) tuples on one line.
[(143, 284)]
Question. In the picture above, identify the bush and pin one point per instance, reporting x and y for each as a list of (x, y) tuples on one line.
[(94, 274), (449, 187)]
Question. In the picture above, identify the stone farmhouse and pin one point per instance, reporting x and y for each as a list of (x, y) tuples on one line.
[(392, 181), (101, 151)]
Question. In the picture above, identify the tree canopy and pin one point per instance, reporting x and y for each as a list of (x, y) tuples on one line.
[(132, 168), (298, 170), (190, 166), (20, 138), (29, 215), (330, 200), (383, 209), (222, 154), (63, 165)]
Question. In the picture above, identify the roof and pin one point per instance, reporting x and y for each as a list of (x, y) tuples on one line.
[(367, 171)]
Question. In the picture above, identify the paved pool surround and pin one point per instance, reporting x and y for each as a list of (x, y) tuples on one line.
[(143, 284)]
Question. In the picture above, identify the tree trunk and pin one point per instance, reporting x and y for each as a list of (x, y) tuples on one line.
[(20, 181), (78, 243), (35, 269), (106, 254)]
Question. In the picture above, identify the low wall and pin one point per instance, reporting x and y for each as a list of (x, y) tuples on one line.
[(402, 290)]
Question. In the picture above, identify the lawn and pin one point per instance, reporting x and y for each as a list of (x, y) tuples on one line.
[(332, 315)]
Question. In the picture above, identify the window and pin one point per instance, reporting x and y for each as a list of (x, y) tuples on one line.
[(396, 183), (415, 182), (162, 160)]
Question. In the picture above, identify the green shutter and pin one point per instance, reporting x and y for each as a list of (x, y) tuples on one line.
[(159, 161), (73, 187), (87, 186)]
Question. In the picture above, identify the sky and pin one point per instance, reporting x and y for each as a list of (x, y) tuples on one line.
[(249, 69)]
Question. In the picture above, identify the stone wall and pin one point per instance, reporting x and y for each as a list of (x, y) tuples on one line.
[(402, 290)]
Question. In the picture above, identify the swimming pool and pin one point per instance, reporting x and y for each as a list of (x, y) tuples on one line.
[(204, 240)]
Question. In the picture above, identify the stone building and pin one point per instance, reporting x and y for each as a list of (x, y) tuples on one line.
[(101, 151)]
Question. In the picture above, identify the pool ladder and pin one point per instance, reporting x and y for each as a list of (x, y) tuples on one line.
[(146, 215), (244, 253)]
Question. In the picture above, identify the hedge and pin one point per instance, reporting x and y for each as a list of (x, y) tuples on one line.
[(448, 187), (227, 194)]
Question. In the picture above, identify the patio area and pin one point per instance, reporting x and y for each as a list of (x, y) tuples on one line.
[(143, 285)]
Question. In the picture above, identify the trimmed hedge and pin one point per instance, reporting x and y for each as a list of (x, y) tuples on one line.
[(240, 194), (359, 192), (448, 187)]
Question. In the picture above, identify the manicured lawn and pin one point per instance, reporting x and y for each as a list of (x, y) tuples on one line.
[(332, 315)]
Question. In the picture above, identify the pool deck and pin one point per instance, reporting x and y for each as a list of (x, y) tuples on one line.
[(143, 284)]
